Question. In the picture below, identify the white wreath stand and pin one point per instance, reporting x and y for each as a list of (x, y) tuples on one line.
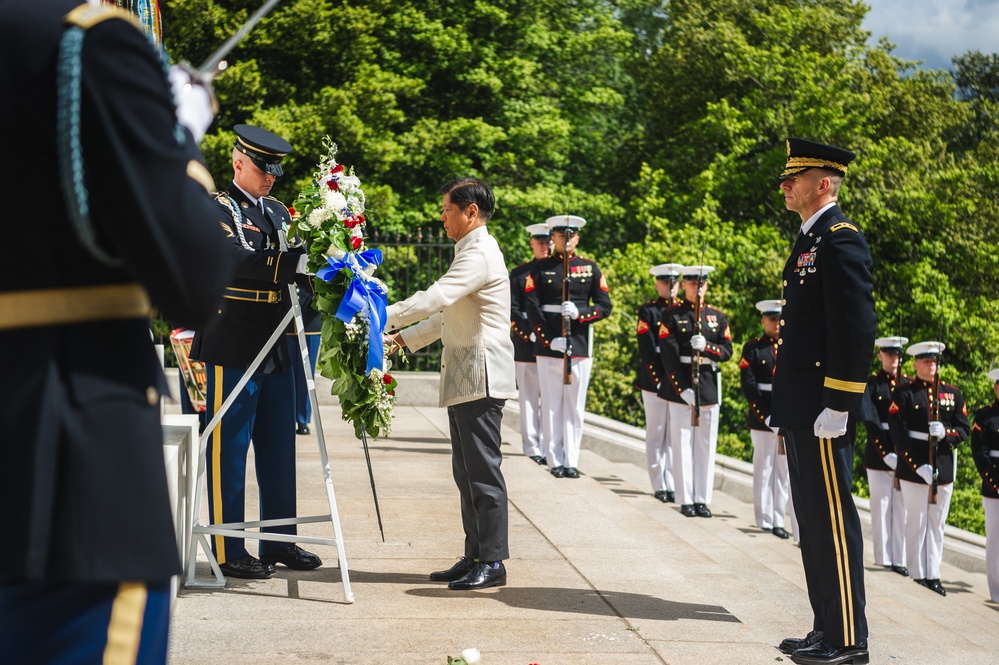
[(201, 532)]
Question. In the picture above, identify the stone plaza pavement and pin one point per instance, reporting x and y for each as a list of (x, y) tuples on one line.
[(599, 572)]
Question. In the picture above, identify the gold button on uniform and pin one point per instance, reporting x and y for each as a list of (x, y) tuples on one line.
[(785, 282), (782, 322), (783, 302), (779, 342), (152, 395), (818, 364)]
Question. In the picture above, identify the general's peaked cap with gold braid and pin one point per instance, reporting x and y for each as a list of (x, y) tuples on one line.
[(803, 154)]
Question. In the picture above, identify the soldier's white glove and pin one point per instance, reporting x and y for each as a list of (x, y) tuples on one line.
[(891, 459), (533, 337), (303, 263), (937, 429), (830, 424), (569, 309), (194, 102), (688, 396), (558, 344), (926, 473), (698, 343)]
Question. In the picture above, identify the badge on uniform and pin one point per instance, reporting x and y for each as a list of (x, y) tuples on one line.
[(806, 260)]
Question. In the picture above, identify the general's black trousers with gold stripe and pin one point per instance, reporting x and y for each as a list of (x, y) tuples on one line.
[(832, 543)]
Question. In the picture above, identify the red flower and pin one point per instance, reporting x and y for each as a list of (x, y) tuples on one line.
[(361, 219), (337, 169), (351, 222), (386, 378), (332, 184), (291, 211), (356, 242)]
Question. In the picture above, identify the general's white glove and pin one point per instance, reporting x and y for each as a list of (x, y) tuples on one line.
[(698, 343), (830, 424), (891, 459), (569, 309), (688, 396), (533, 337), (926, 473), (558, 344), (194, 103), (937, 429)]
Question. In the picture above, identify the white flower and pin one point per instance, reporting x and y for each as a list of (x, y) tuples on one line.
[(356, 232), (334, 200), (349, 183), (319, 216), (471, 656), (336, 252)]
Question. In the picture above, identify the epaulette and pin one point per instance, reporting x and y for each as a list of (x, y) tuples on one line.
[(197, 172), (222, 197), (87, 16), (843, 225)]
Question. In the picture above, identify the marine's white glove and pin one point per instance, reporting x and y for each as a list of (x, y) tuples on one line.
[(926, 473), (558, 344), (937, 429), (195, 104), (698, 343), (569, 309), (775, 430), (830, 424), (891, 459), (688, 396), (533, 337)]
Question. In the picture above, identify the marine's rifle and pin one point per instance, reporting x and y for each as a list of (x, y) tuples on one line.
[(215, 63), (695, 355), (566, 321), (934, 442)]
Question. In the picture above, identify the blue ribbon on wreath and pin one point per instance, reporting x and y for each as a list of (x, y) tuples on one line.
[(361, 294)]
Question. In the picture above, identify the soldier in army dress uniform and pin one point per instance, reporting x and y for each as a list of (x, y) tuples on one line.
[(985, 452), (880, 460), (264, 412), (562, 406), (928, 420), (523, 347), (686, 341), (658, 453)]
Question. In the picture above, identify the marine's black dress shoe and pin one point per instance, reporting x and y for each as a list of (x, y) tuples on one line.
[(779, 532), (934, 585), (540, 460), (457, 571), (247, 567), (662, 495), (482, 576), (687, 510), (294, 557), (571, 472), (901, 570), (702, 510), (824, 653), (558, 472), (302, 429), (791, 644), (670, 496)]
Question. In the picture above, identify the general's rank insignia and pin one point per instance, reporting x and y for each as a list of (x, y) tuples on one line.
[(529, 284), (643, 327)]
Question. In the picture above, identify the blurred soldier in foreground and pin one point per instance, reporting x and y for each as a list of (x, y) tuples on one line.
[(89, 547), (985, 452)]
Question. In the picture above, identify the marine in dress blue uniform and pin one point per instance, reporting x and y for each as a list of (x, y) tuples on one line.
[(985, 452), (87, 519), (824, 352), (528, 390), (683, 341), (658, 453), (264, 412), (923, 412)]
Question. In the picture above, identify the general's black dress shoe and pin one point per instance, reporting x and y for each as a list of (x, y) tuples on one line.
[(571, 472), (558, 472), (779, 532), (791, 644), (702, 510), (540, 460), (687, 510), (824, 653), (662, 495), (934, 585), (302, 429), (901, 570), (482, 576), (457, 571), (294, 557), (247, 567)]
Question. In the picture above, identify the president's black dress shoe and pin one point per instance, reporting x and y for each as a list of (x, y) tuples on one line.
[(294, 557), (824, 653), (540, 460), (901, 570), (934, 585), (558, 472), (571, 472), (687, 510), (247, 567), (702, 510), (779, 532), (302, 429), (482, 576), (457, 571), (792, 644)]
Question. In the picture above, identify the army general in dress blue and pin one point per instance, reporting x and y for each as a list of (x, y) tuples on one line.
[(824, 351)]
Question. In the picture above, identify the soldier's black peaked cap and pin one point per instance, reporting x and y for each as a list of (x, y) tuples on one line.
[(803, 154), (265, 149)]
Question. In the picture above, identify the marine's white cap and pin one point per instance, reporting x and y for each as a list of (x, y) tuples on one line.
[(994, 374), (561, 221), (690, 272), (769, 307), (667, 270), (926, 349), (885, 343), (537, 229)]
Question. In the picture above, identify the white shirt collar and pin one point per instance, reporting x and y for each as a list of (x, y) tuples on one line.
[(807, 226), (470, 236), (254, 201)]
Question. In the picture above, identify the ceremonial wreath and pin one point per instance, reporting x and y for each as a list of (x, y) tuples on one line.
[(329, 217)]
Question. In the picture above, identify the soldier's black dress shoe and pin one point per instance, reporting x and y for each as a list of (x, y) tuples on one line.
[(791, 644), (934, 585), (540, 460), (247, 567), (824, 653), (482, 576), (702, 510), (571, 472), (687, 510), (457, 571), (901, 570), (670, 496), (779, 532), (558, 472), (294, 557), (662, 495), (302, 429)]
